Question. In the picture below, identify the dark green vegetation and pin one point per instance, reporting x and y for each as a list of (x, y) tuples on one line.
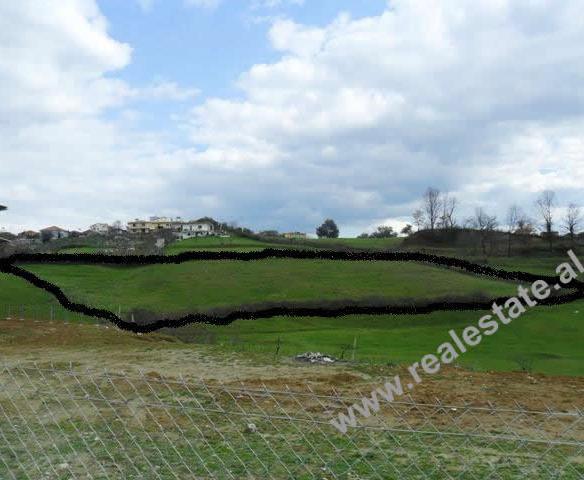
[(546, 339)]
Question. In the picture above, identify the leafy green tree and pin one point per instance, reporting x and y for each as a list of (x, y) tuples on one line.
[(328, 229)]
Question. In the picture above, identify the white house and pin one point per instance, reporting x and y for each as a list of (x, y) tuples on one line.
[(197, 228), (101, 228)]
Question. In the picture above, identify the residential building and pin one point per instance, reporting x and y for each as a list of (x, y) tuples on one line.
[(181, 228), (295, 235), (101, 228), (53, 233), (28, 238), (139, 226), (197, 228), (153, 224), (29, 234)]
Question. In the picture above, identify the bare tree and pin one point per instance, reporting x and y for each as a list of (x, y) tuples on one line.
[(449, 205), (545, 205), (432, 204), (514, 217), (419, 218), (525, 229), (485, 224), (572, 220)]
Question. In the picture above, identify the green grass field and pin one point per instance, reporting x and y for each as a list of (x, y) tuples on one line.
[(545, 339), (542, 265), (360, 243), (248, 244), (192, 285), (216, 243)]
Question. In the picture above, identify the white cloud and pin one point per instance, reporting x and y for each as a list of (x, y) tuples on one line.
[(353, 120), (443, 93), (53, 60), (61, 161)]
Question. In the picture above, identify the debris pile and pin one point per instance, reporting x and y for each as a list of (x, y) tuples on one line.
[(315, 357)]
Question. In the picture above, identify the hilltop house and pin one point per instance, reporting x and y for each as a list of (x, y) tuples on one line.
[(154, 224), (53, 233), (197, 228), (27, 238), (101, 228), (295, 235), (182, 229)]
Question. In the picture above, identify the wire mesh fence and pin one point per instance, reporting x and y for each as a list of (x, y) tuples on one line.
[(58, 423)]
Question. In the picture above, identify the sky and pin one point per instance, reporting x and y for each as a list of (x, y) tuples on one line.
[(277, 114)]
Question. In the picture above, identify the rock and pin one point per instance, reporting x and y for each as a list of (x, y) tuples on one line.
[(251, 428)]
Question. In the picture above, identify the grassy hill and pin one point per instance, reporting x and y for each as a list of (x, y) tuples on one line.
[(216, 243), (238, 243), (545, 339), (192, 285)]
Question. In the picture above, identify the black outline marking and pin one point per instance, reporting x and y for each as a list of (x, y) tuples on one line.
[(8, 266)]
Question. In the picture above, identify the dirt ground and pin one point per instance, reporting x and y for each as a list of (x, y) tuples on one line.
[(98, 347)]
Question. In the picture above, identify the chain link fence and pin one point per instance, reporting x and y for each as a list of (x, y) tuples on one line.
[(57, 422)]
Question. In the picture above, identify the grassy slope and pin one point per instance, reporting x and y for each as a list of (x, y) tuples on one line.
[(15, 291), (365, 243), (543, 265), (175, 288), (216, 243), (247, 244), (550, 337)]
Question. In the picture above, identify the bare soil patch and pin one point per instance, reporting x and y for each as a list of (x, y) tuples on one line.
[(98, 347)]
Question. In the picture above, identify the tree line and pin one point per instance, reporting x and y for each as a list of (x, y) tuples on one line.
[(438, 211)]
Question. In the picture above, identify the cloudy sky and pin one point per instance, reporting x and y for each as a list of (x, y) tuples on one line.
[(280, 113)]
